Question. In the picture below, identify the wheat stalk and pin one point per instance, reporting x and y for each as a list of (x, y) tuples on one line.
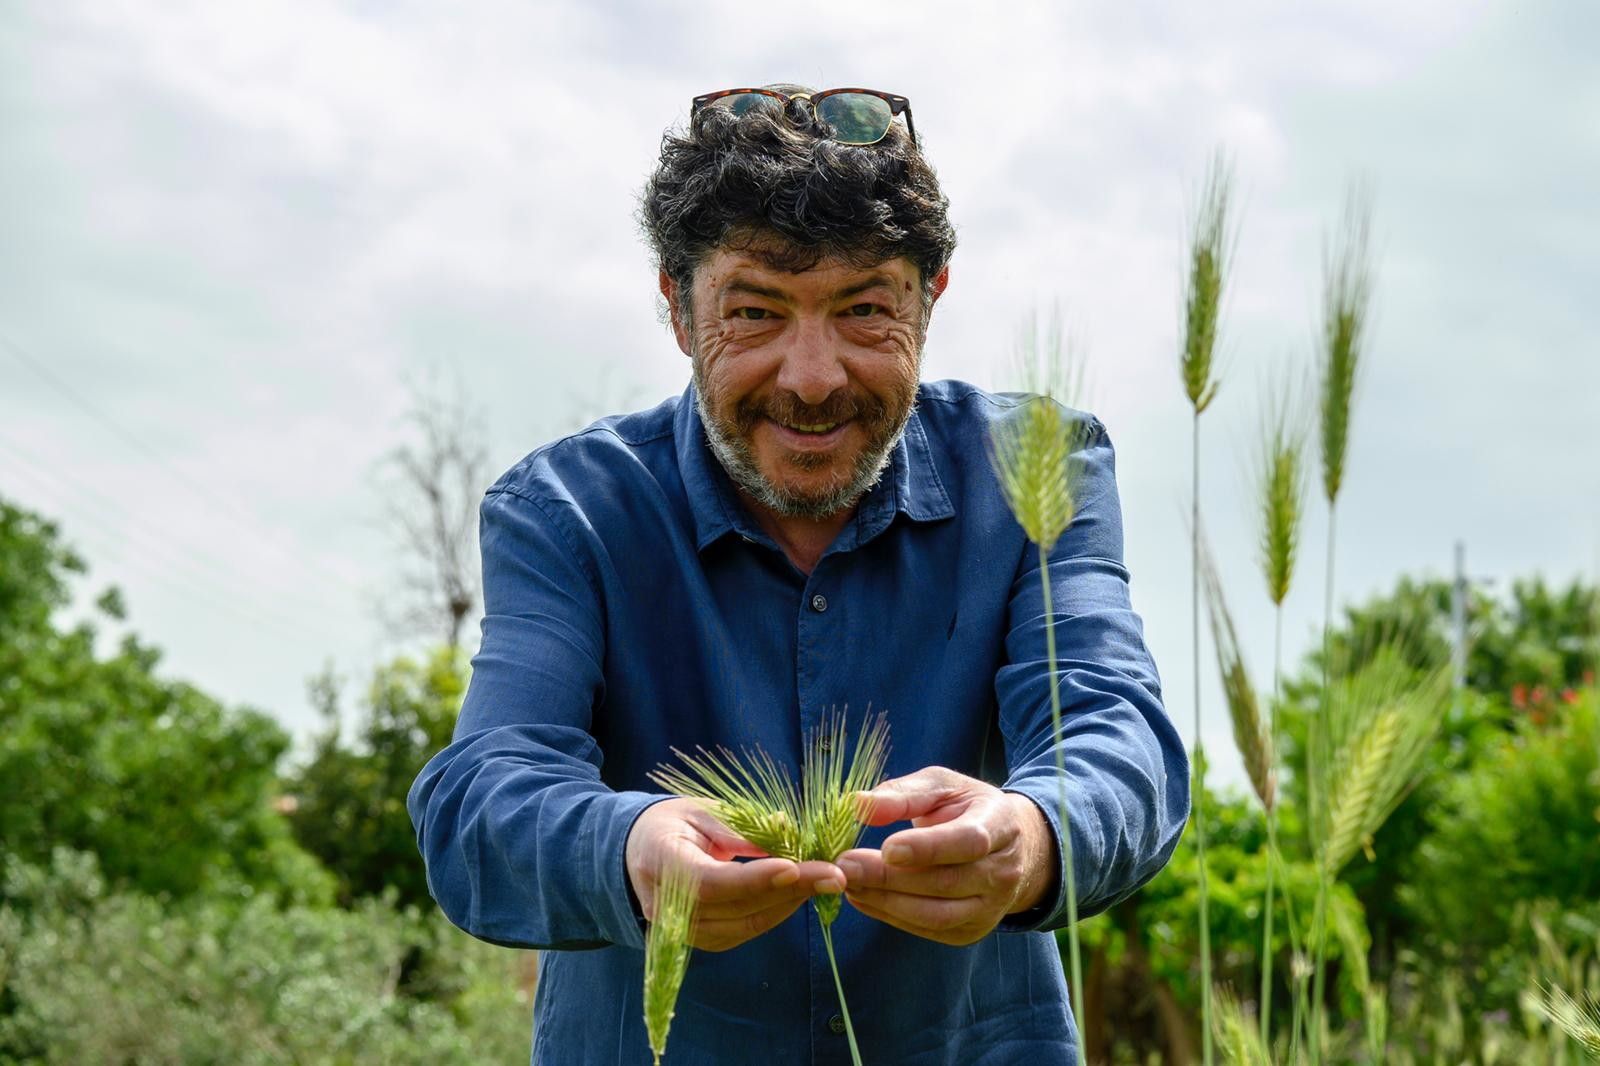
[(1031, 452), (1210, 256), (1281, 486), (1250, 732), (666, 951), (1346, 305)]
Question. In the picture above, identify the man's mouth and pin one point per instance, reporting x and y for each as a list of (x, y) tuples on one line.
[(812, 427)]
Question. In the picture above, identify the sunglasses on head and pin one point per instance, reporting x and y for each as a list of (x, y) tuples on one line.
[(857, 116)]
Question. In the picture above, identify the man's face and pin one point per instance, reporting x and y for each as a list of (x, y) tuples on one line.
[(806, 380)]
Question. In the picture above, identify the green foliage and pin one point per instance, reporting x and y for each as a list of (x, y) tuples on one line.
[(1162, 912), (1521, 824), (171, 791), (90, 975), (348, 806), (1535, 637)]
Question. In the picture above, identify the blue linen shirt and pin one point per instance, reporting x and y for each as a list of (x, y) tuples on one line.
[(632, 604)]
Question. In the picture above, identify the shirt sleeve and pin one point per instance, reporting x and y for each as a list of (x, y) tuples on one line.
[(1127, 774), (522, 840)]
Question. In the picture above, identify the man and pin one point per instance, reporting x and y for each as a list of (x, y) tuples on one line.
[(804, 529)]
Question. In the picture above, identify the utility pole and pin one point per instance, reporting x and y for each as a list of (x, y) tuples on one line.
[(1458, 624)]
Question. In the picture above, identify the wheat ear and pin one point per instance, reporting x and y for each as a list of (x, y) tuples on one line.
[(1250, 731), (666, 951), (1579, 1021)]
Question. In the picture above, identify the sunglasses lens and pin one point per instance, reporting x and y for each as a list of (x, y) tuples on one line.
[(856, 118), (744, 103)]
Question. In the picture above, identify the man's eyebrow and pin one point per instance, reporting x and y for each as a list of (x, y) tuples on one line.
[(734, 285), (871, 282), (750, 287)]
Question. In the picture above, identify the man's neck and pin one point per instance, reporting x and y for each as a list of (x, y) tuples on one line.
[(803, 540)]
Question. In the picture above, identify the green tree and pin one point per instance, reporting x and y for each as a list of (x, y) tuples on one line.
[(168, 789), (1520, 827), (349, 800)]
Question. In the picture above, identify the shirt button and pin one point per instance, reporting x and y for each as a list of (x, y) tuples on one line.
[(836, 1023), (819, 603)]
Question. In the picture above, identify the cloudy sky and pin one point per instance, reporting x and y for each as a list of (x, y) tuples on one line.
[(231, 233)]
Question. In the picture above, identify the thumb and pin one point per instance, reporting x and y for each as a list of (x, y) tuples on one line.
[(904, 798)]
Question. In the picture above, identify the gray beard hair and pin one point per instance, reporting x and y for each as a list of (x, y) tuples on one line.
[(740, 463)]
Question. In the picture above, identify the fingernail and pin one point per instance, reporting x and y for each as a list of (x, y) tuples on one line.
[(785, 878), (850, 868), (897, 854), (829, 886)]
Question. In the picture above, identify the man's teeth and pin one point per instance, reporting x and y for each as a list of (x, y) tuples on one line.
[(819, 427)]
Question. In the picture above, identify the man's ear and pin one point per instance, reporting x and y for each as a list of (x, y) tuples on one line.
[(940, 281), (669, 289)]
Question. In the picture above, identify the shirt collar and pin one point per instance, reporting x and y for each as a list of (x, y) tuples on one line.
[(910, 486)]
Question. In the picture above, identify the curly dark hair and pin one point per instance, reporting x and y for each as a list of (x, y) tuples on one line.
[(773, 183)]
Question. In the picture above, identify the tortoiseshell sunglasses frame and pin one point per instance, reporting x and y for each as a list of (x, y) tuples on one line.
[(897, 105)]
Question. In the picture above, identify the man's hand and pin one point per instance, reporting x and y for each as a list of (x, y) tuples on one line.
[(974, 855), (738, 900)]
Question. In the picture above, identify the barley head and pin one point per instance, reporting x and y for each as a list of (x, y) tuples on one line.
[(1209, 260), (1346, 306), (1236, 1033), (1031, 450), (1031, 447), (1579, 1021), (753, 796), (832, 779), (667, 949), (1281, 490)]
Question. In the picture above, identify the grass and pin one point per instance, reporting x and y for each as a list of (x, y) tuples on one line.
[(1280, 479)]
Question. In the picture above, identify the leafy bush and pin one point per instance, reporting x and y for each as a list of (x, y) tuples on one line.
[(170, 790), (349, 800), (1522, 825), (92, 975)]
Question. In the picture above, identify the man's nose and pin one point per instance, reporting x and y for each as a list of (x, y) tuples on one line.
[(812, 369)]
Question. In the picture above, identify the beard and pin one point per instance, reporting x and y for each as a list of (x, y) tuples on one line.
[(729, 434)]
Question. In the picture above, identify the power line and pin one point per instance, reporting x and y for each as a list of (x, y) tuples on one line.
[(206, 495), (180, 570)]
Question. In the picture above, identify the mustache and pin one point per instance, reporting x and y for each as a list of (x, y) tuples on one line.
[(789, 409)]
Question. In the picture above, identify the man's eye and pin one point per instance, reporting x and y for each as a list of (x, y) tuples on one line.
[(864, 310), (752, 314)]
